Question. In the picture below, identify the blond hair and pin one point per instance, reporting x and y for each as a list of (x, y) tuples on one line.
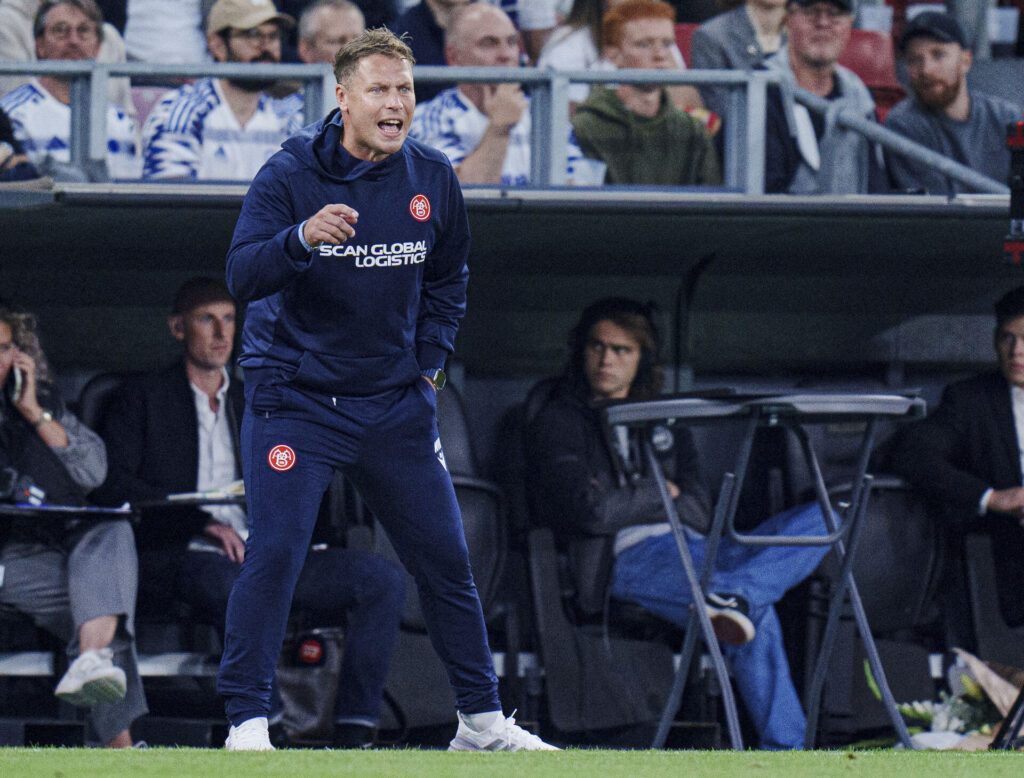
[(379, 40)]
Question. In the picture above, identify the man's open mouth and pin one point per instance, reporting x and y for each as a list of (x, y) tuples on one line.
[(391, 127)]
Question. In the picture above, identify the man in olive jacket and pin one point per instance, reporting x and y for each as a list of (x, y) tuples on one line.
[(635, 129)]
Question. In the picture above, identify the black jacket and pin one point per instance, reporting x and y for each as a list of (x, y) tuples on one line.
[(965, 446), (583, 490), (152, 438)]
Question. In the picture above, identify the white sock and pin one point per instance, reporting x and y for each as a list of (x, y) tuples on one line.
[(478, 722)]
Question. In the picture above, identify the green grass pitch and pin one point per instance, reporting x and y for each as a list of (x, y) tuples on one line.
[(586, 763)]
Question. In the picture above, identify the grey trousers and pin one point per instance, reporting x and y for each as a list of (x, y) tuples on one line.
[(95, 574)]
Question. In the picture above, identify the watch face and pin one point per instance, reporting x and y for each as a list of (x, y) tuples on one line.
[(440, 379)]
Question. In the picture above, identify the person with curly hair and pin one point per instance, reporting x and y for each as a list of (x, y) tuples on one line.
[(75, 579)]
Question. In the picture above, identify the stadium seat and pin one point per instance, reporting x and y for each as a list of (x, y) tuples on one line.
[(96, 394), (996, 642), (483, 516), (584, 639), (871, 55), (901, 562), (684, 34), (417, 679)]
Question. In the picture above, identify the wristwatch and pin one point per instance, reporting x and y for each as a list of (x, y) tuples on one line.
[(44, 417), (437, 377)]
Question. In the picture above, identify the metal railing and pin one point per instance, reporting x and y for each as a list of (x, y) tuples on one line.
[(549, 90)]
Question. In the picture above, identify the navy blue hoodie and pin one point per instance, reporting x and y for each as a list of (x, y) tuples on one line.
[(368, 314)]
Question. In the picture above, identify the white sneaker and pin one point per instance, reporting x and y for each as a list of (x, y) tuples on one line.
[(504, 735), (92, 679), (251, 735)]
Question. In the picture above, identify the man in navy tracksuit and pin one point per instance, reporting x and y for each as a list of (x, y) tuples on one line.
[(351, 254)]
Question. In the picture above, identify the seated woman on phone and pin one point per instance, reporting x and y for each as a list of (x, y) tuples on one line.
[(74, 578)]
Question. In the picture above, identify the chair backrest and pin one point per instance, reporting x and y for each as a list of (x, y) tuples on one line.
[(996, 641), (871, 55), (538, 396), (900, 558), (454, 432), (482, 508), (95, 396), (684, 34)]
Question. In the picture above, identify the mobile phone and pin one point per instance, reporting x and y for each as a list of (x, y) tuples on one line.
[(14, 381)]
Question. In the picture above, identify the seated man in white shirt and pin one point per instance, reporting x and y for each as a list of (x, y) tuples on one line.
[(40, 111), (484, 129), (223, 129), (179, 430)]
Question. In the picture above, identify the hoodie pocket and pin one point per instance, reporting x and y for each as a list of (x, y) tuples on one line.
[(266, 399)]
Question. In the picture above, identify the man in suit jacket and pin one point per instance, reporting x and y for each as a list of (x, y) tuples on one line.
[(177, 430), (967, 455)]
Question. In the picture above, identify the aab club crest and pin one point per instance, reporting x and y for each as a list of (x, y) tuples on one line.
[(419, 207), (281, 458)]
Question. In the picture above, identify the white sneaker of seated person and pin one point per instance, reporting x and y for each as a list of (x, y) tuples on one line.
[(251, 735), (493, 732), (92, 679)]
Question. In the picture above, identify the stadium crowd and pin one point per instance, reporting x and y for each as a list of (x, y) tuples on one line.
[(179, 430), (223, 129)]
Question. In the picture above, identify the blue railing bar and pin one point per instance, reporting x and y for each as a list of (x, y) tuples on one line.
[(753, 156), (428, 73), (744, 150), (900, 145)]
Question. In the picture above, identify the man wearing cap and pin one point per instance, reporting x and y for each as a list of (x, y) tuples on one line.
[(805, 153), (943, 114), (223, 129), (177, 430)]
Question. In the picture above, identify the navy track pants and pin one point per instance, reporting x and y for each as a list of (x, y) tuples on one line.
[(292, 442)]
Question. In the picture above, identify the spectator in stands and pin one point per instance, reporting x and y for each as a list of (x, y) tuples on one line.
[(324, 27), (484, 129), (575, 46), (375, 13), (425, 24), (943, 114), (967, 454), (738, 39), (75, 579), (592, 486), (17, 44), (327, 25), (635, 129), (160, 31), (40, 110), (223, 128), (178, 431), (534, 19), (14, 163), (172, 30), (805, 153)]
